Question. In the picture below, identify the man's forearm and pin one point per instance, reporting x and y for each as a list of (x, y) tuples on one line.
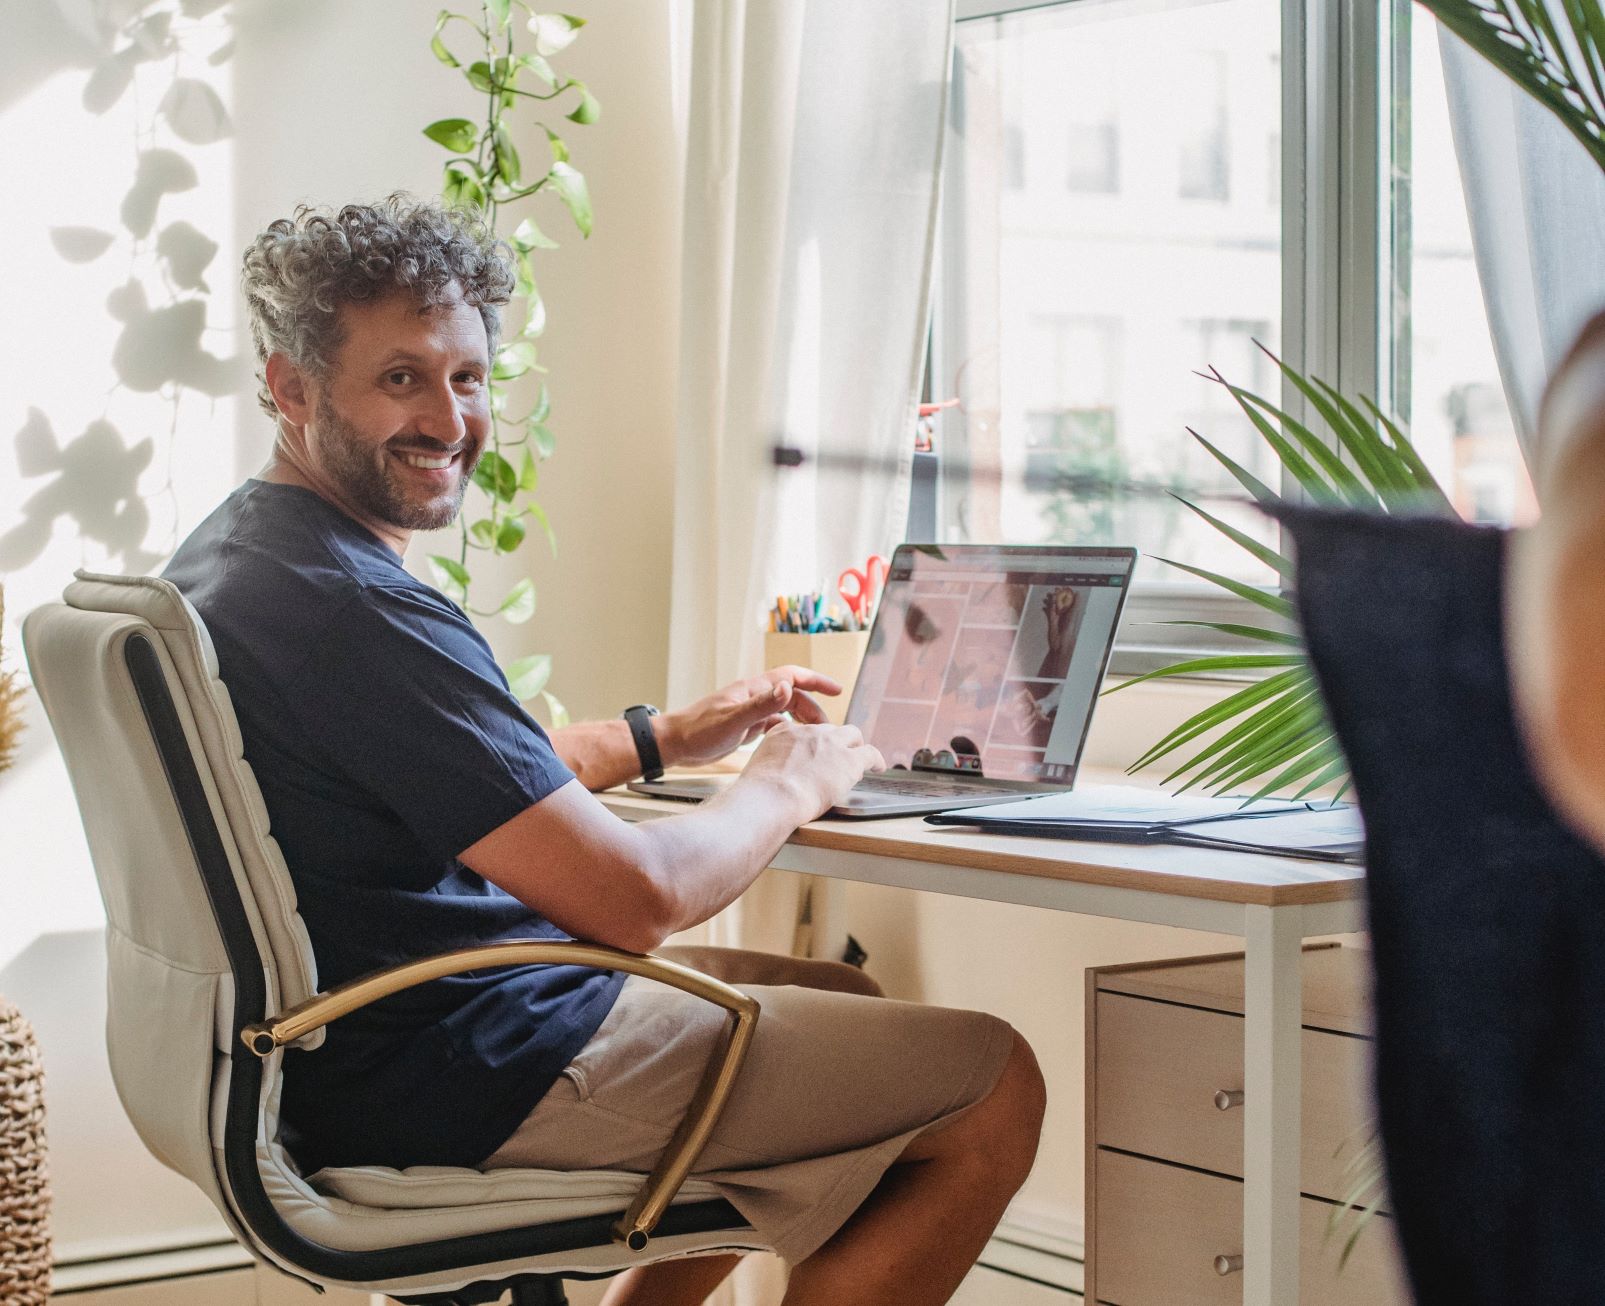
[(703, 861), (602, 753)]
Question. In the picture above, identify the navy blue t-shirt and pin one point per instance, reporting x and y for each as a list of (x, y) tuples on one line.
[(386, 741)]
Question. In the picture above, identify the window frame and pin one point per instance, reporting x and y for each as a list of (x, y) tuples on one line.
[(1339, 232)]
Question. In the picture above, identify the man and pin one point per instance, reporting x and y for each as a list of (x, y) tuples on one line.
[(875, 1144)]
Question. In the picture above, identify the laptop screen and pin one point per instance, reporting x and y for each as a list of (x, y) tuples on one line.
[(988, 658)]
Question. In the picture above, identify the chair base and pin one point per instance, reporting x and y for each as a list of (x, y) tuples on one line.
[(527, 1290)]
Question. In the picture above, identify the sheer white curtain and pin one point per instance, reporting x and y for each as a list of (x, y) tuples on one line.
[(813, 155), (1537, 206), (812, 174)]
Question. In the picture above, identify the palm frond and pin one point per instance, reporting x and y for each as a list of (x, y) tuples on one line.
[(1273, 736), (1562, 67)]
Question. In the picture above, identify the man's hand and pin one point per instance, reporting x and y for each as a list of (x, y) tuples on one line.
[(739, 713), (816, 764)]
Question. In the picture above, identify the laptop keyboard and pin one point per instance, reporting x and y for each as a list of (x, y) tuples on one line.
[(886, 783)]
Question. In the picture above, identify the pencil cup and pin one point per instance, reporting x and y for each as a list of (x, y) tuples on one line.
[(835, 654)]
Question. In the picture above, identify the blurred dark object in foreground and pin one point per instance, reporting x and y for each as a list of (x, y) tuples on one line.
[(1487, 917)]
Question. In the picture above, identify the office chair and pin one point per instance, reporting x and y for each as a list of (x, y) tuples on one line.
[(1487, 917), (211, 976)]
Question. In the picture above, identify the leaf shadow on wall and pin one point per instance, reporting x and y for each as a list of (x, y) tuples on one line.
[(92, 481)]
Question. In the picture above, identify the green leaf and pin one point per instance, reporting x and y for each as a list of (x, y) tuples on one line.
[(483, 532), (500, 10), (1270, 557), (534, 316), (519, 605), (513, 360), (537, 65), (1310, 481), (1218, 662), (588, 110), (1248, 712), (1261, 492), (438, 45), (554, 32), (462, 188), (1270, 602), (543, 406), (510, 536), (558, 712), (529, 474), (528, 676), (496, 477), (559, 150), (543, 440), (507, 163), (479, 75), (527, 236), (539, 514), (1261, 633), (456, 134), (571, 189), (451, 577), (524, 275), (1234, 704)]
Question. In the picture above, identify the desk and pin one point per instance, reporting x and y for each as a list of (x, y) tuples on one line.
[(1272, 903)]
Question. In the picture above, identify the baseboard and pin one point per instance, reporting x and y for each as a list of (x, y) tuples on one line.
[(1040, 1246), (120, 1271)]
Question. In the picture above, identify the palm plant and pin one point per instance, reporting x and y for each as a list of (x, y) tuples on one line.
[(1274, 731), (1553, 49)]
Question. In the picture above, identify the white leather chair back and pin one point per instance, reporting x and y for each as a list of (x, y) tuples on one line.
[(170, 991)]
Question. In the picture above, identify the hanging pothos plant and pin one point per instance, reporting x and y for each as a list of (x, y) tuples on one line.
[(485, 173), (1274, 735)]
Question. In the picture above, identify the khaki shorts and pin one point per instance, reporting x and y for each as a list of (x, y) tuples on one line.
[(835, 1086)]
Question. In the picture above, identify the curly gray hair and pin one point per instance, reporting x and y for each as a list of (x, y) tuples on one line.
[(300, 271)]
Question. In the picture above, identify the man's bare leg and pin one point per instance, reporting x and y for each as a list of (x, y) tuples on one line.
[(670, 1283), (916, 1236)]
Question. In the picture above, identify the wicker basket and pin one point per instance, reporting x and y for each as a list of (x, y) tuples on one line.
[(24, 1185)]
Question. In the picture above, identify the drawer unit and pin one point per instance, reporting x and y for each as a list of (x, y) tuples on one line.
[(1200, 1217), (1165, 1133), (1170, 1080)]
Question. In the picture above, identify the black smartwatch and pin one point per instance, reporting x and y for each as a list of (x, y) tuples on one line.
[(646, 739)]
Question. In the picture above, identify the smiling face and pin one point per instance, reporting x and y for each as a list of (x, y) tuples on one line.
[(392, 433)]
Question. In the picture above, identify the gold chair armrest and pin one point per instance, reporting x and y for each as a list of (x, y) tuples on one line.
[(696, 1126)]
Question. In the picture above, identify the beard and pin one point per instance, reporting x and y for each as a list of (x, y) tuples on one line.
[(369, 479)]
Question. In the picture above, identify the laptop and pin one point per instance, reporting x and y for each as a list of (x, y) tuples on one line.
[(978, 684)]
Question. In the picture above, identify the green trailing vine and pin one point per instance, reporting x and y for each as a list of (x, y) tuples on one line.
[(485, 172)]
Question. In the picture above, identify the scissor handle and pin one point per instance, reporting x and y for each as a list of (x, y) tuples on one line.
[(856, 598)]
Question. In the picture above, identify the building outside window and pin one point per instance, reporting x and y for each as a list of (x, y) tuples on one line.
[(1075, 313)]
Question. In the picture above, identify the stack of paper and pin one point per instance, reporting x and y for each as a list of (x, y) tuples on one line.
[(1125, 814)]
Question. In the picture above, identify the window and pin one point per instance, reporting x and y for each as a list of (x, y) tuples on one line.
[(1222, 197), (1447, 386), (1202, 89)]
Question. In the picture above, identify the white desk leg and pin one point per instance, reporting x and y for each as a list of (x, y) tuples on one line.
[(1273, 1089)]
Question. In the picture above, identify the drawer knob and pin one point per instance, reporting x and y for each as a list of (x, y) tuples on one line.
[(1225, 1100), (1228, 1264)]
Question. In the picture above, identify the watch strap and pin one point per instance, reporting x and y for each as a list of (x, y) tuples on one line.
[(639, 718)]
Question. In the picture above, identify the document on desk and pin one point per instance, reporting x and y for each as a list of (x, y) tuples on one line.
[(1126, 814)]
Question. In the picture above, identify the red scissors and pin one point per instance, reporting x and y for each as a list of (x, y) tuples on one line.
[(859, 589)]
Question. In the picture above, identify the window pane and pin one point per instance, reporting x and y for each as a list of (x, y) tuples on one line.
[(1448, 384), (1112, 229)]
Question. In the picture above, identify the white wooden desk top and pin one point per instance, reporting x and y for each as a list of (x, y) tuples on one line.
[(1153, 868)]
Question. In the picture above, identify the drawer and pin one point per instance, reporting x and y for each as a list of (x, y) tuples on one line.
[(1160, 1228), (1158, 1067)]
